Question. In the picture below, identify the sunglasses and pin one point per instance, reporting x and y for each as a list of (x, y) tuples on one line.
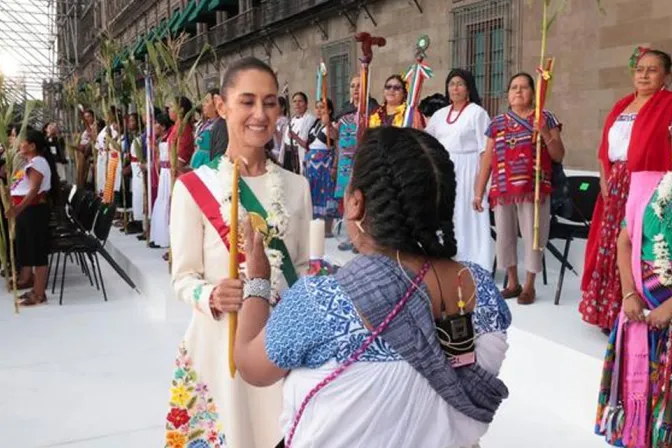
[(395, 87)]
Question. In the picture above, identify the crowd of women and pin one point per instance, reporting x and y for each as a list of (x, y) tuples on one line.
[(413, 330), (405, 342)]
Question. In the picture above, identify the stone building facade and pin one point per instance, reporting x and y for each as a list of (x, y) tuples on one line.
[(493, 38)]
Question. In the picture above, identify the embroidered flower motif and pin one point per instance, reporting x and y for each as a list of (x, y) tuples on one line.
[(193, 421), (198, 290), (175, 439), (661, 250), (277, 218), (178, 417)]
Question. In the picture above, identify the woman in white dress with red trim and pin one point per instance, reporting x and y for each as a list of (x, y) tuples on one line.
[(460, 127), (209, 408)]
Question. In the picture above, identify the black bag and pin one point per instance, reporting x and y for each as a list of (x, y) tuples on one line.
[(561, 203)]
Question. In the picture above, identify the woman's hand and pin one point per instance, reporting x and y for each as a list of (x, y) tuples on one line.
[(660, 317), (478, 204), (543, 130), (256, 260), (634, 308), (227, 297)]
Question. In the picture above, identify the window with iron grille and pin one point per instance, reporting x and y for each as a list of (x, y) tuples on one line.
[(483, 44), (339, 59)]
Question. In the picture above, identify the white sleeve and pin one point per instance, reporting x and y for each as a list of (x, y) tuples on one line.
[(431, 125), (481, 123), (40, 165)]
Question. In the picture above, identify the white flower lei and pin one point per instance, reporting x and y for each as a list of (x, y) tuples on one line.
[(277, 218), (662, 264)]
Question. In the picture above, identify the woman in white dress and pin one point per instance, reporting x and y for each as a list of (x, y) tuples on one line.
[(460, 127), (159, 235), (296, 135), (206, 403)]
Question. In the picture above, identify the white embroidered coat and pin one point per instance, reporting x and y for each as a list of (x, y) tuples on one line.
[(205, 402)]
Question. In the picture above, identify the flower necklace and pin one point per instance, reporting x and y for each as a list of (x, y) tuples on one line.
[(459, 113), (277, 218), (662, 264)]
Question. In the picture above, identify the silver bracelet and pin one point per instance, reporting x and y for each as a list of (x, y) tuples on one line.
[(257, 287)]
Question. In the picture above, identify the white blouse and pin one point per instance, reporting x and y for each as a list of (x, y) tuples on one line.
[(619, 137), (21, 183), (464, 135)]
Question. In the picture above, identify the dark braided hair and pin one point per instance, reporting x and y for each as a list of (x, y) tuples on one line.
[(408, 182)]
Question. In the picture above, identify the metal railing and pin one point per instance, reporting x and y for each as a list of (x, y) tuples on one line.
[(236, 27)]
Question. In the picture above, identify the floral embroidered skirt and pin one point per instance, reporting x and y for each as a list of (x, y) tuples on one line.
[(601, 301), (192, 421), (611, 420)]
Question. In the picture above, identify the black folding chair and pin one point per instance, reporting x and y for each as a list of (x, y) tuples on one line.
[(583, 191)]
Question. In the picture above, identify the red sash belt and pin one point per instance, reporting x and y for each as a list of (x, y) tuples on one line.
[(134, 159), (39, 199), (164, 165)]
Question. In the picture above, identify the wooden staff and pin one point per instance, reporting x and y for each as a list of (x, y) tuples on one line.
[(368, 42), (233, 261), (537, 120)]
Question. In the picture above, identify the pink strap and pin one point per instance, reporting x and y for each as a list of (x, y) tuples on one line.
[(358, 353)]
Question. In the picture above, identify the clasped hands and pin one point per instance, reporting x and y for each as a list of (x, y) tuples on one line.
[(227, 297), (659, 317)]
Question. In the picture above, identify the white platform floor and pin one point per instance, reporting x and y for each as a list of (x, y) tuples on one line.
[(91, 374)]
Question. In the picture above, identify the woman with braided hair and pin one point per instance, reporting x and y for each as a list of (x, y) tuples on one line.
[(403, 345)]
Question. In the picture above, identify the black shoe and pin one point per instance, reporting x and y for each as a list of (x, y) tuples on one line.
[(154, 246), (142, 237)]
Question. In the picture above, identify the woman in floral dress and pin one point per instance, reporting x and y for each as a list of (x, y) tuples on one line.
[(636, 137), (209, 408), (635, 406)]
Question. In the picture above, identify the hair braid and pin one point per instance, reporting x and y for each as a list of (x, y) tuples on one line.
[(408, 181)]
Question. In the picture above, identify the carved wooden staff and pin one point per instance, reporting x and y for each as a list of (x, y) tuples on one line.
[(368, 42)]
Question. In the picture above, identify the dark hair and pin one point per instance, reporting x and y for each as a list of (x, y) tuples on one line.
[(401, 80), (429, 105), (663, 57), (330, 108), (213, 92), (283, 105), (243, 65), (408, 182), (164, 120), (468, 78), (184, 104), (100, 125), (525, 75), (90, 111), (37, 138), (302, 95)]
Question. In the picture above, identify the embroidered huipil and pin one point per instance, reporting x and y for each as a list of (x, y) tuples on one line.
[(514, 160), (381, 400), (206, 403)]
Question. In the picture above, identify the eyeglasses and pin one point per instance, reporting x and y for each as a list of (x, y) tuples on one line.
[(395, 87)]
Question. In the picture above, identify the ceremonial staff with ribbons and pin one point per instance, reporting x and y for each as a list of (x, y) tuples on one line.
[(415, 78), (368, 42)]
